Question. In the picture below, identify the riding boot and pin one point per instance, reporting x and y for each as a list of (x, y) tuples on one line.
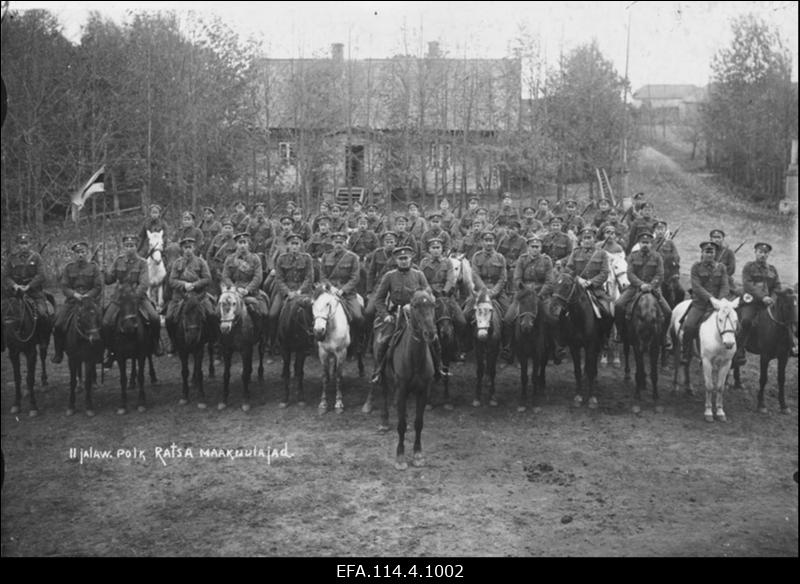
[(438, 369), (158, 350), (108, 363), (58, 347), (559, 352), (740, 357), (380, 358), (686, 350)]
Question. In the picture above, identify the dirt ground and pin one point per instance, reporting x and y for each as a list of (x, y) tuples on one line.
[(556, 482)]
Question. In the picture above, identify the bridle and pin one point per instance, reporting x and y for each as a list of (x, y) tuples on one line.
[(416, 329), (26, 307), (332, 305), (728, 320), (236, 313), (491, 309), (81, 333)]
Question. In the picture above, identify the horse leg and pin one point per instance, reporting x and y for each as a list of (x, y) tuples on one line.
[(494, 353), (640, 376), (419, 459), (153, 378), (90, 378), (226, 377), (480, 357), (285, 376), (30, 357), (211, 372), (123, 383), (247, 370), (299, 363), (590, 370), (384, 427), (339, 364), (73, 382), (43, 359), (261, 348), (709, 377), (197, 377), (575, 351), (184, 357), (655, 351), (762, 381), (141, 405), (14, 355), (326, 377), (719, 389), (782, 360), (737, 377), (402, 394), (523, 381), (626, 349)]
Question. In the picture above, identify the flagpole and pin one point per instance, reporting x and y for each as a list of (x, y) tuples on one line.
[(103, 278)]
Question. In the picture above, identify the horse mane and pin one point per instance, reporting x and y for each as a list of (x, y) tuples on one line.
[(483, 297), (421, 296), (526, 295)]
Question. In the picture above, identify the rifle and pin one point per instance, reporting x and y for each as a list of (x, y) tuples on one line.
[(589, 206), (45, 244), (740, 247), (670, 238)]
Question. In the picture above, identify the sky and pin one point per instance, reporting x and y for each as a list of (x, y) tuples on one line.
[(670, 41)]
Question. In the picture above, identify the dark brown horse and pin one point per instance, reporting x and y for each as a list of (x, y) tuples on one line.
[(194, 331), (295, 337), (571, 316), (528, 342), (645, 332), (448, 342), (84, 348), (674, 294), (410, 369), (771, 338), (23, 332), (487, 338), (130, 340)]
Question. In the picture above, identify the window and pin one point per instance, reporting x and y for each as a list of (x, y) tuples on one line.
[(286, 151), (433, 156), (446, 150)]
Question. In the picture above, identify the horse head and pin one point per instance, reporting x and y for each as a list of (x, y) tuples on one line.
[(19, 318), (323, 310), (230, 308), (128, 318), (484, 309), (727, 320), (527, 300), (444, 320), (786, 308), (563, 295), (193, 320), (155, 241), (87, 321), (423, 307), (618, 270)]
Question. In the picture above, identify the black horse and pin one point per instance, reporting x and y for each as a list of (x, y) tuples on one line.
[(645, 332), (488, 337), (528, 342), (771, 338), (295, 336), (448, 342), (571, 315), (195, 330), (84, 348), (23, 332)]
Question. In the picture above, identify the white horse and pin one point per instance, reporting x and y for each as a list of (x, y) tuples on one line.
[(463, 271), (717, 336), (332, 334), (156, 270), (617, 282)]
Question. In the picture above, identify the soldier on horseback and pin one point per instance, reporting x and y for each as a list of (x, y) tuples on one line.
[(260, 229), (489, 272), (709, 280), (294, 273), (24, 272), (153, 223), (507, 212), (301, 227), (210, 228), (398, 286), (601, 215), (471, 242), (362, 241), (242, 270), (340, 268), (188, 229), (189, 275), (80, 281), (609, 241), (533, 271), (666, 247), (724, 256), (219, 250), (543, 212), (381, 261), (572, 219), (589, 265), (556, 243), (441, 277), (129, 269), (436, 231), (530, 225)]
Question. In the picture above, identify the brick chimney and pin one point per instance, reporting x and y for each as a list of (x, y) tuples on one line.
[(433, 50), (337, 52)]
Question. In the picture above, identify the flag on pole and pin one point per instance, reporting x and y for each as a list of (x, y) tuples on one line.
[(96, 184)]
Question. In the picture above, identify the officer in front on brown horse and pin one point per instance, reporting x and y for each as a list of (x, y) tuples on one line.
[(589, 265), (441, 277), (709, 280), (129, 269), (24, 273), (294, 273), (80, 281), (189, 275)]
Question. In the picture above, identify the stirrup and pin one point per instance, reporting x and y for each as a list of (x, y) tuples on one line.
[(376, 378)]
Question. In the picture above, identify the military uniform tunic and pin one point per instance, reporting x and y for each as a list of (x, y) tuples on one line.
[(557, 245), (79, 277), (533, 273), (590, 264), (398, 287), (489, 271), (362, 243), (669, 253), (26, 269)]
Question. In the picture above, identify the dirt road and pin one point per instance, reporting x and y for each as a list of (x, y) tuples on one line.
[(553, 483)]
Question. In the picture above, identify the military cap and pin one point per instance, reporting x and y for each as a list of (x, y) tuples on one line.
[(323, 219), (155, 206), (186, 240), (533, 239), (556, 218), (433, 240), (588, 229), (433, 216), (297, 211), (708, 245), (613, 210), (646, 234), (239, 204), (488, 234), (482, 210), (513, 223), (761, 246), (571, 203), (362, 218), (507, 196), (539, 202), (339, 235), (285, 218), (226, 221), (603, 200), (716, 232), (473, 198), (336, 206), (371, 207), (129, 239), (609, 227), (23, 237), (401, 218), (477, 222), (79, 244), (257, 205), (386, 233), (526, 209), (289, 203), (638, 196), (188, 214), (210, 210), (294, 236), (242, 235), (412, 204), (658, 222), (403, 250)]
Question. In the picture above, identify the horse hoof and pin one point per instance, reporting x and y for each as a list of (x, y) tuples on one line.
[(418, 460), (70, 412), (617, 363), (141, 409), (636, 409), (786, 410), (428, 407), (283, 405), (476, 403), (709, 418), (339, 410), (365, 409), (521, 409), (121, 411), (33, 413), (603, 361), (201, 406), (221, 406), (593, 403), (383, 428), (722, 418), (15, 409), (493, 403), (762, 410), (448, 407), (183, 402), (577, 401), (659, 409), (90, 413), (301, 403), (400, 465), (245, 407), (322, 410), (537, 410)]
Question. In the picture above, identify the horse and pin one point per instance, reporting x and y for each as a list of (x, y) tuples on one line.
[(195, 329), (84, 347), (487, 338), (771, 338), (23, 332), (156, 269), (447, 340), (717, 337), (617, 282), (238, 332), (569, 312), (410, 369), (332, 334), (295, 336), (645, 331), (528, 342), (130, 340), (674, 294), (463, 274)]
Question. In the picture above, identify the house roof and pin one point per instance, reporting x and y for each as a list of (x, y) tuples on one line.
[(665, 92)]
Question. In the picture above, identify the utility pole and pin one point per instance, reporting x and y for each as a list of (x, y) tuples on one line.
[(625, 169)]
